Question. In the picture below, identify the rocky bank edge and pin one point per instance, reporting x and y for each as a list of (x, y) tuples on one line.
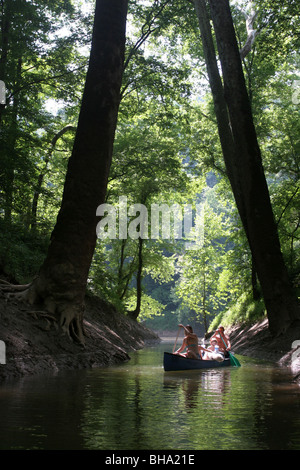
[(35, 347)]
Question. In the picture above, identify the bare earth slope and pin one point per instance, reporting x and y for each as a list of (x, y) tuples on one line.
[(34, 346)]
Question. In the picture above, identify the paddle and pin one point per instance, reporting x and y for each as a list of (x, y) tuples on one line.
[(176, 340), (233, 360)]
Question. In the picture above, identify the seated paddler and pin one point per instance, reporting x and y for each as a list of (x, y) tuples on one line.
[(190, 343)]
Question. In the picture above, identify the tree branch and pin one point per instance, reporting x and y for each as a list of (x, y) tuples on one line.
[(252, 33), (287, 205), (147, 29)]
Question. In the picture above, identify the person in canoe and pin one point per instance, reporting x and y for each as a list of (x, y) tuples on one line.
[(190, 343), (213, 352), (222, 340)]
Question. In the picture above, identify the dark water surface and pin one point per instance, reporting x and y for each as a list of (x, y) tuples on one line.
[(138, 406)]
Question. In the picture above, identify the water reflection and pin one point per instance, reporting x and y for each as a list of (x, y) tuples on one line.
[(139, 406), (210, 386)]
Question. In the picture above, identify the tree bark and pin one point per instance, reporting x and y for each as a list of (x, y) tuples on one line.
[(245, 170), (61, 283)]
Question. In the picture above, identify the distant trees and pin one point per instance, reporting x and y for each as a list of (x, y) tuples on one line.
[(204, 281), (37, 63)]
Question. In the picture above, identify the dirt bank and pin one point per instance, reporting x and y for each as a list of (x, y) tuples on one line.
[(35, 347), (256, 341)]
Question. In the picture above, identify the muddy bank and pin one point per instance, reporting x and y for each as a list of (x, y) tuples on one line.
[(33, 346), (256, 341)]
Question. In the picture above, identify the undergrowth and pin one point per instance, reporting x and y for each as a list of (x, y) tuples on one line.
[(21, 252), (244, 310)]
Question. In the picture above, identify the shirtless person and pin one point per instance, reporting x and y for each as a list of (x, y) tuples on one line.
[(221, 338)]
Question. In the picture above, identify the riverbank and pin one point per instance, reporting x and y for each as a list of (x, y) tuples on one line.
[(256, 341), (33, 346)]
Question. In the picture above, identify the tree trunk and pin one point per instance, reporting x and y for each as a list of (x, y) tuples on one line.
[(246, 174), (220, 106), (11, 153), (135, 313), (280, 300), (223, 121), (61, 283)]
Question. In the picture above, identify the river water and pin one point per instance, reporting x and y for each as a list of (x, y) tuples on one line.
[(138, 406)]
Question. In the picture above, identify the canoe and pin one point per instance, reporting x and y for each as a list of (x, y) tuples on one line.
[(173, 362)]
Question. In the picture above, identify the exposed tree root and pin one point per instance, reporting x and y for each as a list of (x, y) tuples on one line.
[(64, 314), (71, 322), (50, 319), (8, 287)]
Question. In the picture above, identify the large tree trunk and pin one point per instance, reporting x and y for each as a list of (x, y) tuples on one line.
[(61, 283), (220, 106), (223, 121), (246, 174)]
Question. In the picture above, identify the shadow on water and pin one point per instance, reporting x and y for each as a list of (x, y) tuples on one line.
[(139, 406)]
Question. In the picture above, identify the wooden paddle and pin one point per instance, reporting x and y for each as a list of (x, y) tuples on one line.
[(233, 360), (176, 340)]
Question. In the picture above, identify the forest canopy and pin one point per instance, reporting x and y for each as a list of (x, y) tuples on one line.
[(167, 154)]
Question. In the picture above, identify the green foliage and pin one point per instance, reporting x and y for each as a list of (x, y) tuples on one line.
[(244, 310), (21, 253), (150, 307), (166, 150), (39, 65), (279, 22)]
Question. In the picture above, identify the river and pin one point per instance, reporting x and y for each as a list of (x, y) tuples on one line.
[(138, 406)]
